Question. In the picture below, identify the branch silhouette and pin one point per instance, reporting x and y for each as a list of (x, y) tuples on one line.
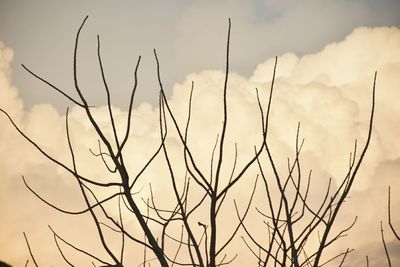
[(176, 234)]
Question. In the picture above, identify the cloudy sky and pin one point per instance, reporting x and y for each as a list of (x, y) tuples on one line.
[(328, 52)]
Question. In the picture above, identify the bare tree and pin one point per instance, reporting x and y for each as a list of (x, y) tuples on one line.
[(175, 236), (291, 221), (201, 249)]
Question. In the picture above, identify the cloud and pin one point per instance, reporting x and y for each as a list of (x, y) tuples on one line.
[(329, 92), (9, 98), (345, 70), (264, 29)]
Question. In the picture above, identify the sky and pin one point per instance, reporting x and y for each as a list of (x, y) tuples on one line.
[(328, 52)]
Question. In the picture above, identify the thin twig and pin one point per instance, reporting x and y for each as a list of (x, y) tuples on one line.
[(30, 251)]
